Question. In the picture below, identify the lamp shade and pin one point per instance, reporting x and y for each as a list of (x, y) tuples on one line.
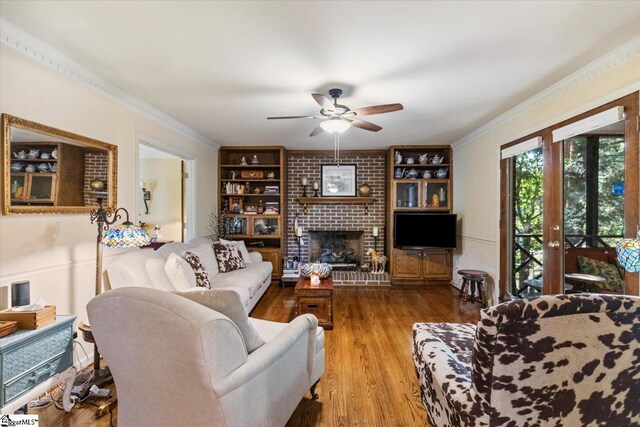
[(628, 251), (125, 235), (335, 125)]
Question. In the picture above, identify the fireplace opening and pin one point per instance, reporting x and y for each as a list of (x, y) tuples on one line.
[(342, 249)]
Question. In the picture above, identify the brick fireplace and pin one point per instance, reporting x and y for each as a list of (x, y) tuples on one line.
[(336, 217)]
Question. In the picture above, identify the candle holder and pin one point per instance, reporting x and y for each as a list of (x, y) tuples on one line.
[(375, 243), (304, 190), (299, 242), (315, 192)]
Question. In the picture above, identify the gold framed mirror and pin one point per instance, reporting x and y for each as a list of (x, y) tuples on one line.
[(52, 171)]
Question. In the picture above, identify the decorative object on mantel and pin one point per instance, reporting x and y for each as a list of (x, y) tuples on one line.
[(97, 184), (628, 251), (305, 183), (125, 235), (339, 180), (378, 262), (316, 186), (364, 190)]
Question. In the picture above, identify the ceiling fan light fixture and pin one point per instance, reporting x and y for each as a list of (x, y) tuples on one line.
[(335, 125)]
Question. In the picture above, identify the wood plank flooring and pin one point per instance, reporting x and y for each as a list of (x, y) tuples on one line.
[(369, 379)]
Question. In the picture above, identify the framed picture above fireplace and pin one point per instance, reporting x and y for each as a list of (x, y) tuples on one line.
[(339, 181)]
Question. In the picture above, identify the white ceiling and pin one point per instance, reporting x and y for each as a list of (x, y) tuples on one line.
[(222, 67)]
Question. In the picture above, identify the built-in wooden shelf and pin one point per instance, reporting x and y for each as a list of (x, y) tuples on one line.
[(366, 201), (258, 166)]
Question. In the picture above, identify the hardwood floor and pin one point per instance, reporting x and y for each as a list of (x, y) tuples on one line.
[(369, 379)]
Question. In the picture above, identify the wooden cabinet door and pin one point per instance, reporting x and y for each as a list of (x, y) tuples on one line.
[(274, 256), (436, 264), (406, 264)]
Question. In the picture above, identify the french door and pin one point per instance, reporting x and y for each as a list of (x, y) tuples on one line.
[(568, 193)]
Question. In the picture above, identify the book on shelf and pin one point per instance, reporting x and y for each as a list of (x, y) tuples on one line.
[(271, 189), (233, 188)]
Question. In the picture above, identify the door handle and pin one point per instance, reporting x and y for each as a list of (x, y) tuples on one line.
[(555, 244)]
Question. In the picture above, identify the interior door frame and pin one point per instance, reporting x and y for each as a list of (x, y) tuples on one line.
[(188, 184), (553, 215)]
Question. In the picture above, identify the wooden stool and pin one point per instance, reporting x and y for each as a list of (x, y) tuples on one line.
[(473, 278)]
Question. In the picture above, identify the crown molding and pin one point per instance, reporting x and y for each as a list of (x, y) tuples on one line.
[(37, 50), (602, 65)]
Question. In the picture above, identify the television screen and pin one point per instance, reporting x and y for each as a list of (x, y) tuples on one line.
[(424, 230)]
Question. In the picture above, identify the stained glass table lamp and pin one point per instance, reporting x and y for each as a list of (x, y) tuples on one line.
[(628, 251)]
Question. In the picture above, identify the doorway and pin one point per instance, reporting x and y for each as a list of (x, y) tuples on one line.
[(568, 194), (161, 200)]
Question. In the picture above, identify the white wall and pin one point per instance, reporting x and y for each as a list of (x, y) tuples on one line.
[(57, 252), (477, 169), (165, 207)]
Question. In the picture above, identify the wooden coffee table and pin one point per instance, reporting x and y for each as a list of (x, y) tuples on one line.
[(316, 300)]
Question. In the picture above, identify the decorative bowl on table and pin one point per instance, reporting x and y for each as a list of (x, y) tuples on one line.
[(321, 269)]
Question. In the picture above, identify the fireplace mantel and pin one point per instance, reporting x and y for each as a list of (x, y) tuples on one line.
[(366, 201)]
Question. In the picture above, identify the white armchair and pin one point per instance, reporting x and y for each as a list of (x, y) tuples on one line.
[(177, 362)]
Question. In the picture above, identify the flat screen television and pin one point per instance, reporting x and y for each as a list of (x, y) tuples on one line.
[(424, 230)]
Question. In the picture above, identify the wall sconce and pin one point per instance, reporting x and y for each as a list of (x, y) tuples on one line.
[(146, 195)]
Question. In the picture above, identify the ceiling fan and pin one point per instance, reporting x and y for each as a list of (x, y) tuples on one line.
[(338, 118)]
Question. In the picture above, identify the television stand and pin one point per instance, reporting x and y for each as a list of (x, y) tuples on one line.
[(421, 266)]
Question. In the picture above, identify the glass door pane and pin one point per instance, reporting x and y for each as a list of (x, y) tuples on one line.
[(526, 190), (435, 194), (18, 186), (593, 172), (407, 194), (42, 188)]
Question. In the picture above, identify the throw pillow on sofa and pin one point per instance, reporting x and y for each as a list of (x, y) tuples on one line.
[(242, 247), (229, 303), (229, 257), (604, 270), (191, 268)]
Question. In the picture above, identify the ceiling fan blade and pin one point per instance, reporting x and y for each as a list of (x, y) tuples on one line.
[(378, 109), (316, 131), (294, 117), (365, 125), (323, 101)]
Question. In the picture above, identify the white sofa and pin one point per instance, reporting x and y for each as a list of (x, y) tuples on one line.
[(146, 268), (178, 362)]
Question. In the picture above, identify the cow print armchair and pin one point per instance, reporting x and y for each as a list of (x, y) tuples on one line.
[(562, 360)]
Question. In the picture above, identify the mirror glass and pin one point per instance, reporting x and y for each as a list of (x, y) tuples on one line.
[(48, 170), (594, 209)]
